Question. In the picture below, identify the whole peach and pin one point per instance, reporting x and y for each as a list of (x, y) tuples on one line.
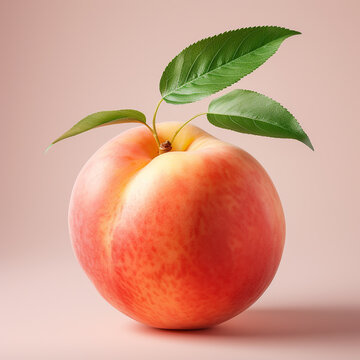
[(182, 240)]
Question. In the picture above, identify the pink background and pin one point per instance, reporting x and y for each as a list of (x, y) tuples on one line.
[(61, 60)]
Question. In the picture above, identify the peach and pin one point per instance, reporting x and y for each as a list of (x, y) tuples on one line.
[(182, 240)]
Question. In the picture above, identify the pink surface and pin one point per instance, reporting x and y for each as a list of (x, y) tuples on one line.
[(63, 60)]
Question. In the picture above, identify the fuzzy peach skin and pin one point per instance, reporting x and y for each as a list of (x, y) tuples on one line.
[(182, 240)]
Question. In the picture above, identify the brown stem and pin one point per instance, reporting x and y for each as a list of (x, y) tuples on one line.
[(165, 147)]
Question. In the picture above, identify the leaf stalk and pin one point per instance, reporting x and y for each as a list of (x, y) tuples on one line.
[(154, 123), (184, 124)]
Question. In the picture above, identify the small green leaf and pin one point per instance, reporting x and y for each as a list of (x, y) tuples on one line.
[(101, 119), (214, 63), (253, 113)]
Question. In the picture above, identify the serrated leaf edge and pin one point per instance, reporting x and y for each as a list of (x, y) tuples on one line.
[(306, 139), (217, 35)]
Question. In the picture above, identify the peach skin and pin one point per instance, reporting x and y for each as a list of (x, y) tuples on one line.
[(182, 240)]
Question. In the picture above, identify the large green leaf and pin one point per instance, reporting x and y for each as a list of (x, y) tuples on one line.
[(253, 113), (103, 118), (216, 62)]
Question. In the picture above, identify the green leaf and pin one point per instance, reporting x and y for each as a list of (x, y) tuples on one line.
[(101, 119), (253, 113), (214, 63)]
